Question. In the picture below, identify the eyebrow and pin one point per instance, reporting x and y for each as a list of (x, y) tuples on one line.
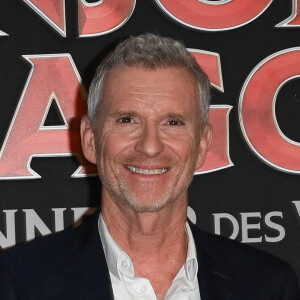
[(173, 115), (169, 115)]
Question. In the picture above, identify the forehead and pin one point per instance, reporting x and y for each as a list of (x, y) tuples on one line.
[(137, 86)]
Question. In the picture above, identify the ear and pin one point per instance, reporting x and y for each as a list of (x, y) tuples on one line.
[(87, 140), (205, 141)]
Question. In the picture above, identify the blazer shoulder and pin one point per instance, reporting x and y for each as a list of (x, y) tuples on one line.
[(66, 265), (252, 273), (52, 247), (239, 255)]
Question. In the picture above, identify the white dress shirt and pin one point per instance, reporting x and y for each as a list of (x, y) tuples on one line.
[(128, 287)]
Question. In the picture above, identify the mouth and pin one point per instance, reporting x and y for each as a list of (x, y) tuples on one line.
[(147, 171)]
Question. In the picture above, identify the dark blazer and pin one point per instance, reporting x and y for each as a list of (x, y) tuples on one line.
[(71, 265)]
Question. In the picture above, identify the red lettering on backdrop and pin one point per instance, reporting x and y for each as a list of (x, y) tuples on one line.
[(211, 65), (52, 11), (257, 110), (294, 19), (101, 18), (218, 156), (51, 77), (55, 77), (220, 15)]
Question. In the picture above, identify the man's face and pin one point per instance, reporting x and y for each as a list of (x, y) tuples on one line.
[(147, 140)]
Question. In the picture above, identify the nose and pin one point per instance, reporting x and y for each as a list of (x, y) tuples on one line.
[(150, 142)]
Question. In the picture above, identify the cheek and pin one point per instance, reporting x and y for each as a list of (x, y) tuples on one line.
[(184, 148), (113, 145)]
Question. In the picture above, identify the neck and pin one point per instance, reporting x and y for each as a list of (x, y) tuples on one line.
[(142, 233), (147, 238)]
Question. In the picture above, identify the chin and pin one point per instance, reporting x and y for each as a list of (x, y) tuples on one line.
[(140, 206), (147, 208)]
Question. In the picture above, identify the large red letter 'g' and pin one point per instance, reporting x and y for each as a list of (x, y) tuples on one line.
[(218, 156)]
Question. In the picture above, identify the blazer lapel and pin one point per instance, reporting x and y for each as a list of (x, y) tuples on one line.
[(93, 280), (214, 276)]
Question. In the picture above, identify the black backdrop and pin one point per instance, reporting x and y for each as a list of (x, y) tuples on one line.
[(259, 199)]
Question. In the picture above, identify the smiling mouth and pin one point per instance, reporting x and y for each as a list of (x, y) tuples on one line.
[(147, 171)]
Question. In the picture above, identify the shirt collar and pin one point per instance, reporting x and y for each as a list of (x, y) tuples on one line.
[(111, 249), (119, 261), (191, 264)]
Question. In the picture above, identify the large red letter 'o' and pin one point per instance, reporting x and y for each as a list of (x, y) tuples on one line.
[(213, 16)]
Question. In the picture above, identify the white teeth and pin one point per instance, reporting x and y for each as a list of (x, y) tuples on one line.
[(147, 171)]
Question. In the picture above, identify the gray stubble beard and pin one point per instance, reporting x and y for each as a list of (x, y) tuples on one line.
[(125, 196)]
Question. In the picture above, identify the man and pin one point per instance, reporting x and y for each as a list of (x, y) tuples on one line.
[(147, 130)]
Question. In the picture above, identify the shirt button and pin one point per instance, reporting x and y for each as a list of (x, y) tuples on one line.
[(124, 264), (143, 289)]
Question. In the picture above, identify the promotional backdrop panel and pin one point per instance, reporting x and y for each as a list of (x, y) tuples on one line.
[(248, 188)]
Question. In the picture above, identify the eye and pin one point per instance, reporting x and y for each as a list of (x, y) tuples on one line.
[(125, 120), (175, 122)]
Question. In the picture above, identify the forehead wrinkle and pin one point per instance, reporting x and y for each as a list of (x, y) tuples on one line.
[(136, 95), (160, 90), (144, 104), (143, 89), (142, 97)]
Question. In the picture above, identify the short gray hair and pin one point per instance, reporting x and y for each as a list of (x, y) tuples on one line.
[(149, 51)]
